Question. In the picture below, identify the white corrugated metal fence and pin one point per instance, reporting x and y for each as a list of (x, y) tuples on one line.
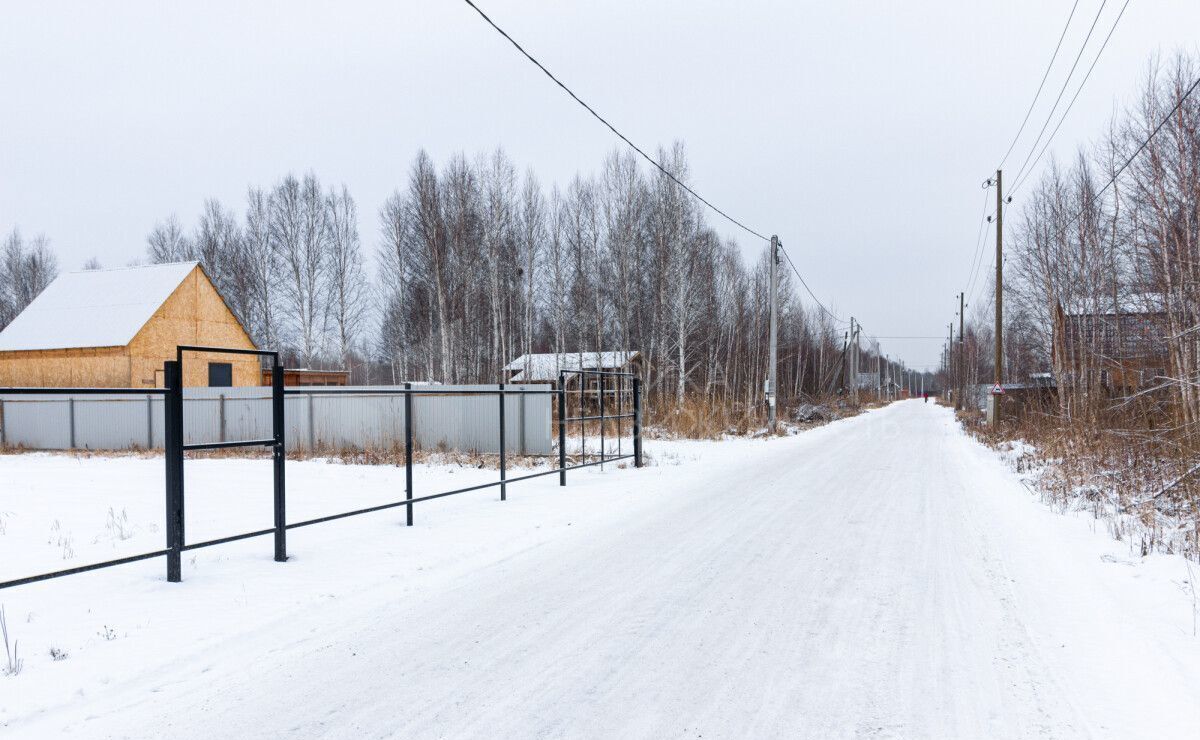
[(315, 420)]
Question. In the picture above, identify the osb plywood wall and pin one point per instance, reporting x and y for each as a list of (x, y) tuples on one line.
[(106, 367), (194, 314)]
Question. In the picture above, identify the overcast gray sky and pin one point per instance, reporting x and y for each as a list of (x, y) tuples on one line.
[(857, 131)]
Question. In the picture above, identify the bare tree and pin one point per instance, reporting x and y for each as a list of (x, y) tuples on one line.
[(299, 235), (167, 242), (530, 238), (25, 271), (260, 273), (347, 297)]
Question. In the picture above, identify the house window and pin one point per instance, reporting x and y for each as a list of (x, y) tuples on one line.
[(220, 374)]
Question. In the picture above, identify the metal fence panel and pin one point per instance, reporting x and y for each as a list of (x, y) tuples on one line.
[(39, 422), (314, 420), (115, 423)]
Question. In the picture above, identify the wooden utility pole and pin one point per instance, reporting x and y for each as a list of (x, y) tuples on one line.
[(993, 406), (950, 363), (771, 419), (962, 356), (999, 358)]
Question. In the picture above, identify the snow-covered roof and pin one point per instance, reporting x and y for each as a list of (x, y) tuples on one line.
[(94, 308), (548, 365)]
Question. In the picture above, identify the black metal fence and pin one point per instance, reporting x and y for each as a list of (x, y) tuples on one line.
[(596, 392)]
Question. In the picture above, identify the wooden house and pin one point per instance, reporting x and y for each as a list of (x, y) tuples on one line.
[(1122, 352), (115, 328)]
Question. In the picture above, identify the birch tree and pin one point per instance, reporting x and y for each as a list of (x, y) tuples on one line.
[(26, 268), (299, 234), (347, 296)]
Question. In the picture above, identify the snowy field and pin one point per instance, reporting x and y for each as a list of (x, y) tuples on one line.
[(882, 576)]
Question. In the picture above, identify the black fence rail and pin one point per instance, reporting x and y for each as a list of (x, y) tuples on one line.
[(607, 385)]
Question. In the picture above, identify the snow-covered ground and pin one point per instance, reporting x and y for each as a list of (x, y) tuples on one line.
[(881, 576)]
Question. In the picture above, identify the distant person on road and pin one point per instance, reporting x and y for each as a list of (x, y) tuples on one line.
[(926, 395)]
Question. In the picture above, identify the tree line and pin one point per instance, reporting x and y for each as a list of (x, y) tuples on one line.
[(1088, 241), (477, 263)]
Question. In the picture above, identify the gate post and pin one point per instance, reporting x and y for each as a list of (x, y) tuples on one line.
[(562, 429), (602, 377), (173, 459), (503, 473), (637, 422), (408, 449), (280, 457)]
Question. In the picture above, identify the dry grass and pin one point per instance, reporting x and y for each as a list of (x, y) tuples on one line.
[(1127, 467), (698, 418)]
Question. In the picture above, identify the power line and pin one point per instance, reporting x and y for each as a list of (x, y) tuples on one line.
[(985, 233), (1042, 84), (831, 314), (1070, 105), (1141, 147), (612, 128), (1066, 82), (977, 259), (646, 156), (976, 291)]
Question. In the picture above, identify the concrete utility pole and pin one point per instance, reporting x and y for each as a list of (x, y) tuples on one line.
[(854, 360), (878, 375), (771, 420), (845, 360), (850, 361)]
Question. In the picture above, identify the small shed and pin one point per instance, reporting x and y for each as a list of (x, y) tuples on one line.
[(302, 376), (545, 367), (115, 328)]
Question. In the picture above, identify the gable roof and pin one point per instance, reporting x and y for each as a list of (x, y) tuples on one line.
[(94, 308), (548, 365)]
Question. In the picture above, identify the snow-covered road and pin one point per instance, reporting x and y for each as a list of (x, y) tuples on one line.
[(883, 576)]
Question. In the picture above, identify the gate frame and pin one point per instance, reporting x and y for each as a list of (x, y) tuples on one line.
[(174, 449)]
